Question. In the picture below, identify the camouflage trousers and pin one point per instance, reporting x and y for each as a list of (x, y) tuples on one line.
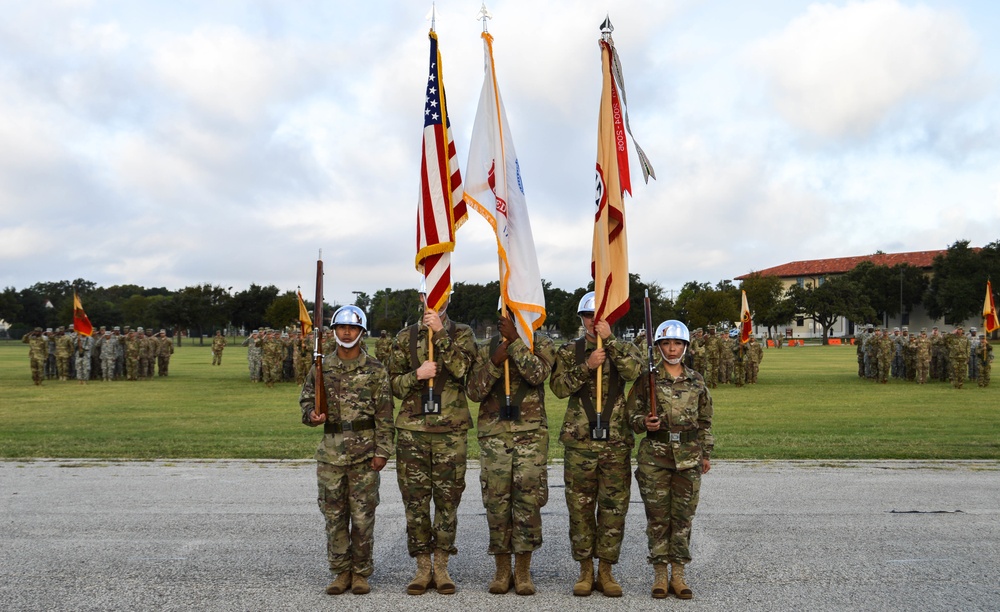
[(253, 362), (739, 373), (984, 374), (597, 480), (143, 367), (711, 372), (671, 498), (958, 371), (150, 367), (83, 367), (431, 466), (216, 357), (132, 367), (37, 370), (163, 364), (883, 369), (62, 366), (348, 496), (515, 487), (923, 369), (108, 368), (271, 371)]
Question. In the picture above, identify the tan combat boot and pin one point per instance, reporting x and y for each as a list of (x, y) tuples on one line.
[(503, 579), (424, 578), (606, 583), (445, 585), (677, 585), (585, 583), (340, 584), (661, 581), (359, 585), (522, 574)]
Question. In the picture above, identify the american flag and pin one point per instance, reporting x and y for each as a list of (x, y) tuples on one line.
[(440, 209)]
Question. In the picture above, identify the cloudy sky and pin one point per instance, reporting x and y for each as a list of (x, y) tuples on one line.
[(175, 143)]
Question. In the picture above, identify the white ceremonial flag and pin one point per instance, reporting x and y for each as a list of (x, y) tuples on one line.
[(493, 188)]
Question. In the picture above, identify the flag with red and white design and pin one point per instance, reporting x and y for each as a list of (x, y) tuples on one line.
[(746, 324), (440, 207), (990, 322)]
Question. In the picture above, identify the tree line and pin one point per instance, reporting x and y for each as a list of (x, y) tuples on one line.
[(867, 294)]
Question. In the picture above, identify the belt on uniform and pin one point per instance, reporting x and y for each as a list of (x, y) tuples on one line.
[(673, 436), (336, 427)]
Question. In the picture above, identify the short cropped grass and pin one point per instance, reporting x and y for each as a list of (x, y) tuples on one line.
[(809, 404)]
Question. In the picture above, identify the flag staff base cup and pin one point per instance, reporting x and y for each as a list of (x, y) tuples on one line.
[(597, 430), (510, 412), (432, 403)]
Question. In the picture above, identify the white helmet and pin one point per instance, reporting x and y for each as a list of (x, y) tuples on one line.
[(587, 303), (350, 315), (672, 329)]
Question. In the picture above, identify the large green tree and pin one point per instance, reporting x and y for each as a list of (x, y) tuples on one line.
[(889, 289), (835, 297), (957, 289)]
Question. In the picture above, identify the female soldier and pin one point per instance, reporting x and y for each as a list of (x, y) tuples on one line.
[(672, 456)]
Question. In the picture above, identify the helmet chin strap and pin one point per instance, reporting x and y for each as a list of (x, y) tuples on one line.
[(346, 344), (674, 361)]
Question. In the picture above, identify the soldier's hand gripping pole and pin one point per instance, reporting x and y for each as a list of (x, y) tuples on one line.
[(320, 387), (649, 355), (432, 403)]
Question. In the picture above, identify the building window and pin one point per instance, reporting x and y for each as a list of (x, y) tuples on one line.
[(906, 319), (800, 321), (801, 282)]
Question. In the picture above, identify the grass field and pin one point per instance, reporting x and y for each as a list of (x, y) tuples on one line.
[(809, 404)]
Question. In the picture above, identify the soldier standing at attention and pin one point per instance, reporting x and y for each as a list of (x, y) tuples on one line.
[(64, 350), (383, 347), (252, 342), (712, 352), (84, 346), (38, 352), (357, 442), (432, 439), (672, 457), (958, 356), (164, 353), (985, 356), (922, 359), (218, 345), (514, 443), (756, 356), (597, 472), (109, 353)]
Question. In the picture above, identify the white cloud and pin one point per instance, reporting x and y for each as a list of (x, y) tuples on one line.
[(839, 71)]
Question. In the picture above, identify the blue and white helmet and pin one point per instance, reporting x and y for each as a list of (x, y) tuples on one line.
[(734, 332), (672, 329), (350, 315), (587, 303)]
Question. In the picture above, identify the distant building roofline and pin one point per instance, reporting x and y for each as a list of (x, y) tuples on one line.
[(842, 265)]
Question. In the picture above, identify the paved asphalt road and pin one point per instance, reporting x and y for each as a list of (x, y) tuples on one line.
[(247, 535)]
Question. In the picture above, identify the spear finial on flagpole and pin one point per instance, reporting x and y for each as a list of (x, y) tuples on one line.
[(485, 15), (433, 16), (607, 28)]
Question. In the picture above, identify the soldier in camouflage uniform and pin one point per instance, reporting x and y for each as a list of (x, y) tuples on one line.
[(883, 352), (109, 353), (859, 341), (132, 349), (272, 357), (922, 356), (712, 352), (150, 350), (84, 346), (697, 351), (432, 448), (302, 355), (597, 472), (383, 347), (252, 342), (958, 356), (38, 352), (51, 371), (973, 362), (672, 456), (985, 356), (756, 356), (357, 442), (514, 451), (218, 345), (163, 354), (64, 350)]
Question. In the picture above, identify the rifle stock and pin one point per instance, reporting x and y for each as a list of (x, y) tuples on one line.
[(320, 386), (649, 354)]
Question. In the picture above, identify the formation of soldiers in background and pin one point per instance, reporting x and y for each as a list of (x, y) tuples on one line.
[(720, 358), (274, 356), (954, 357), (114, 354)]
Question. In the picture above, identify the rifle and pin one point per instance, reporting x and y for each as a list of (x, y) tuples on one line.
[(320, 387), (649, 355)]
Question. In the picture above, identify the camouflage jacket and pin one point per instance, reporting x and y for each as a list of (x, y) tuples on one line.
[(683, 405), (572, 378), (958, 349), (454, 352), (218, 343), (150, 347), (166, 347), (355, 390), (65, 346), (38, 346), (528, 372)]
